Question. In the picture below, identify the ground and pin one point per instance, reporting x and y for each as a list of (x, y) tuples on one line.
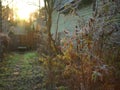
[(21, 72)]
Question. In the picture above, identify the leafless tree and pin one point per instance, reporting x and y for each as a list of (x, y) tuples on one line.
[(0, 16), (49, 6)]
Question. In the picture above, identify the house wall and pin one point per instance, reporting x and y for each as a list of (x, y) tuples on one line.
[(68, 22)]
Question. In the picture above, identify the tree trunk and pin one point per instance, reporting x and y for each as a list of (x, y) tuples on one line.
[(51, 42), (0, 16)]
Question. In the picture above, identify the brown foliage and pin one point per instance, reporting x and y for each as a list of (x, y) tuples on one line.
[(4, 42)]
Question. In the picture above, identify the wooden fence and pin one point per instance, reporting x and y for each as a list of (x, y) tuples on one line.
[(28, 40)]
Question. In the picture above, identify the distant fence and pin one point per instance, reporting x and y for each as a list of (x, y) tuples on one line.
[(28, 40)]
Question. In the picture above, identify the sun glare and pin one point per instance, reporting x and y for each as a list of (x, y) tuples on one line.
[(24, 10), (24, 14)]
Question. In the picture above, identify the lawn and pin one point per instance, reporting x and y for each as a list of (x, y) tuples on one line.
[(20, 72)]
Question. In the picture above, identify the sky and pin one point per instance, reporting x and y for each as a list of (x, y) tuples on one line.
[(29, 3), (24, 7)]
